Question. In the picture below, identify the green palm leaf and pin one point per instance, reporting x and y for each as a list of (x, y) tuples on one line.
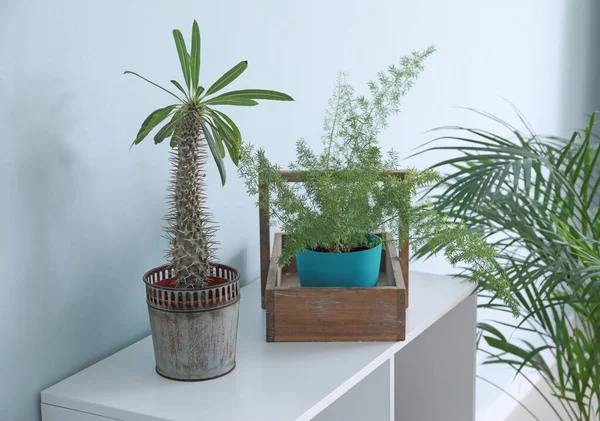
[(184, 57), (152, 121), (229, 76), (195, 55), (178, 86), (237, 101), (168, 129), (236, 132), (256, 94), (128, 72), (214, 149)]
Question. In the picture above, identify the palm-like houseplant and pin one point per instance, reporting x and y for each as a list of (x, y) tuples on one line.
[(537, 200), (194, 127)]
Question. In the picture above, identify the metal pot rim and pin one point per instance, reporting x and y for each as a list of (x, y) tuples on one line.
[(146, 278), (190, 300)]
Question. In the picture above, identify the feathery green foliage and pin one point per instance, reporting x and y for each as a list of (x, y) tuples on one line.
[(193, 124), (537, 200), (346, 194)]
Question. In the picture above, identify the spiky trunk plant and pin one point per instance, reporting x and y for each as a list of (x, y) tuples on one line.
[(194, 126), (190, 227)]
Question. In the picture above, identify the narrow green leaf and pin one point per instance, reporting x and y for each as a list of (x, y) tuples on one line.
[(236, 131), (184, 57), (224, 127), (174, 139), (152, 121), (128, 72), (491, 329), (507, 347), (257, 94), (214, 151), (229, 76), (232, 145), (243, 102), (527, 174), (178, 86), (167, 129), (234, 151), (517, 174), (228, 135), (220, 145), (195, 56)]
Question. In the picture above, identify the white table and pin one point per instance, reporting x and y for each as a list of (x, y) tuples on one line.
[(428, 377)]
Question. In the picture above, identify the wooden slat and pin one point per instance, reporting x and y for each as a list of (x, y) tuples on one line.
[(317, 314), (400, 269), (265, 238), (290, 280), (271, 283), (401, 301), (404, 266)]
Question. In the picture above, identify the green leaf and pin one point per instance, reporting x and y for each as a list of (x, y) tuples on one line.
[(174, 139), (152, 121), (167, 129), (527, 174), (236, 131), (229, 76), (507, 347), (195, 56), (184, 57), (128, 72), (214, 151), (517, 174), (234, 152), (233, 146), (178, 86), (220, 145), (257, 94), (222, 126), (243, 102), (491, 329)]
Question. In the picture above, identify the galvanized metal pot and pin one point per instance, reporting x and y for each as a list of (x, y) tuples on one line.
[(194, 331)]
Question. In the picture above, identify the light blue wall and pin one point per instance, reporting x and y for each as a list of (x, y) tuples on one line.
[(81, 215)]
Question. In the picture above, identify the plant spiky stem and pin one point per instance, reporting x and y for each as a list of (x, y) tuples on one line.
[(190, 228)]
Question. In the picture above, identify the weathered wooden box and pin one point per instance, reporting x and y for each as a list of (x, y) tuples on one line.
[(296, 314)]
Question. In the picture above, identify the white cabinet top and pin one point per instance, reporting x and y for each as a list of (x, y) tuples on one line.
[(272, 381)]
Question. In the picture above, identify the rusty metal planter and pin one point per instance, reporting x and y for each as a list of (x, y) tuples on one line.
[(194, 331)]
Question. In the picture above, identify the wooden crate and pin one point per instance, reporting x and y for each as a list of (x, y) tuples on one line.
[(296, 314), (265, 232)]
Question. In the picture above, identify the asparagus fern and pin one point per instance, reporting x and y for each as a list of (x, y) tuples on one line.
[(348, 192)]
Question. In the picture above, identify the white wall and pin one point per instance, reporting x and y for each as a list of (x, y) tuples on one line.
[(81, 214)]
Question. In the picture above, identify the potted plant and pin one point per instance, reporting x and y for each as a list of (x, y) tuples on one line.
[(193, 301), (348, 194), (537, 197)]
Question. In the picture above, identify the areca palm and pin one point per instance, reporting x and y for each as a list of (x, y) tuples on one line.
[(537, 200), (193, 124)]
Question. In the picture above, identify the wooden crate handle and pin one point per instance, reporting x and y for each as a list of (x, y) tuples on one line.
[(264, 224)]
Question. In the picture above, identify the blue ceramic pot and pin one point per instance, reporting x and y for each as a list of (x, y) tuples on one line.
[(354, 269)]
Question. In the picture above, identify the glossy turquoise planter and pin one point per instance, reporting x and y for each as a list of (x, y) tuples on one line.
[(354, 269)]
